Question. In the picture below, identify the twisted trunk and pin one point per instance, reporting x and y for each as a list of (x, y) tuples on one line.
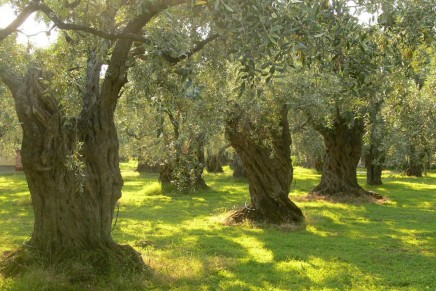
[(268, 168), (72, 170), (343, 150), (72, 164)]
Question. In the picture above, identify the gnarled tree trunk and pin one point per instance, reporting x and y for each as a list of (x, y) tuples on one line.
[(72, 165), (343, 145), (72, 169), (268, 168)]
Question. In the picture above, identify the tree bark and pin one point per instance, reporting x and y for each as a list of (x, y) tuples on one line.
[(72, 170), (72, 164), (373, 163), (414, 165), (146, 165), (343, 145), (268, 168), (213, 164), (238, 167)]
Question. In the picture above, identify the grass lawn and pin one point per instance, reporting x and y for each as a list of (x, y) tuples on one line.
[(360, 247)]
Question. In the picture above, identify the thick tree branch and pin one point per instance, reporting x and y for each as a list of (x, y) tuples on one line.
[(116, 74), (76, 27), (11, 28), (152, 9)]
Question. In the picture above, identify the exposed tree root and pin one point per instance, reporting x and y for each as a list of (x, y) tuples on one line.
[(80, 266), (350, 195), (248, 213)]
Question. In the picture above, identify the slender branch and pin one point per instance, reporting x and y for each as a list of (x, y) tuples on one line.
[(71, 26), (140, 51), (132, 134), (46, 32), (300, 127), (197, 48), (174, 122)]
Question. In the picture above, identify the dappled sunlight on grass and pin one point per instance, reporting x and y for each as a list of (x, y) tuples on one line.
[(340, 247), (255, 249), (181, 236), (334, 272), (15, 211)]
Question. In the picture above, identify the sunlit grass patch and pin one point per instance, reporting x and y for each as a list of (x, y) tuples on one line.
[(181, 236)]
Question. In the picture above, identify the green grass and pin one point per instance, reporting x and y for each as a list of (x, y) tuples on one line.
[(361, 247)]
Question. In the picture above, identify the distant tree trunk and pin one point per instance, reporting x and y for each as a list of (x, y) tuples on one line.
[(196, 149), (18, 162), (373, 163), (185, 170), (414, 165), (213, 164), (148, 166), (374, 154), (319, 163), (166, 173), (414, 170), (374, 174), (238, 167), (269, 169), (343, 149)]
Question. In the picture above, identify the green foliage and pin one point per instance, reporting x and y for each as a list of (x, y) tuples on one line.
[(10, 130), (307, 145), (183, 240), (75, 164)]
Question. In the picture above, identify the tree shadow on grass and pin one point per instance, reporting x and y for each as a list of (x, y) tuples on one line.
[(386, 248), (357, 246), (360, 246)]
